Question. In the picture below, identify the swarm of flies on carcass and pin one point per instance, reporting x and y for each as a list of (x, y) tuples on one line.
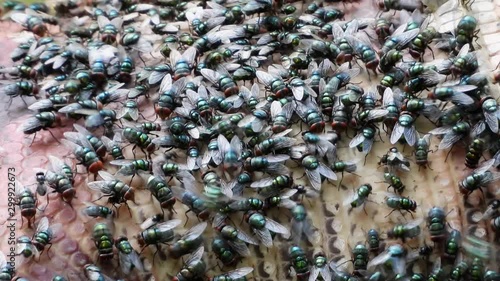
[(242, 93)]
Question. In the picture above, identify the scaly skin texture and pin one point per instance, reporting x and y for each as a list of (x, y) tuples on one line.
[(340, 229)]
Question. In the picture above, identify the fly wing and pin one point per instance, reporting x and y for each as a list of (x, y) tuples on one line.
[(264, 77), (31, 124), (491, 120), (262, 183), (149, 222), (82, 130), (463, 51), (264, 236), (56, 61), (94, 121), (399, 266), (357, 140), (106, 176), (210, 75), (102, 186), (239, 273), (70, 108), (26, 251), (196, 256), (326, 172), (407, 37), (414, 223), (122, 162), (337, 31), (326, 273), (195, 231), (478, 128), (352, 27), (223, 144), (246, 120), (57, 164), (236, 145), (449, 140), (313, 275), (213, 22), (41, 105), (410, 135), (217, 157), (395, 155), (69, 144), (125, 262), (377, 113), (19, 188), (388, 97), (166, 82), (189, 55), (168, 225), (298, 93), (441, 131), (20, 18), (353, 198), (367, 145), (255, 90), (277, 158), (240, 247), (246, 238), (74, 137), (314, 178), (193, 162), (397, 133), (43, 225), (240, 205), (275, 109), (380, 259), (175, 57), (245, 92), (155, 77), (277, 228), (400, 30), (93, 273), (117, 22), (485, 166), (461, 99)]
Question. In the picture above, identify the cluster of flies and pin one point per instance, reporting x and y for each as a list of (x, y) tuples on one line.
[(221, 147)]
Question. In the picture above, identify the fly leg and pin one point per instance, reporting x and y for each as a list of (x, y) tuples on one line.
[(390, 213), (48, 250), (23, 100), (129, 210), (54, 137), (432, 52), (154, 255), (364, 210), (187, 218), (100, 198), (341, 179), (33, 140), (131, 179)]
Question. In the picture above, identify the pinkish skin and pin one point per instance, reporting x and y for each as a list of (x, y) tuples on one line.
[(67, 255)]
